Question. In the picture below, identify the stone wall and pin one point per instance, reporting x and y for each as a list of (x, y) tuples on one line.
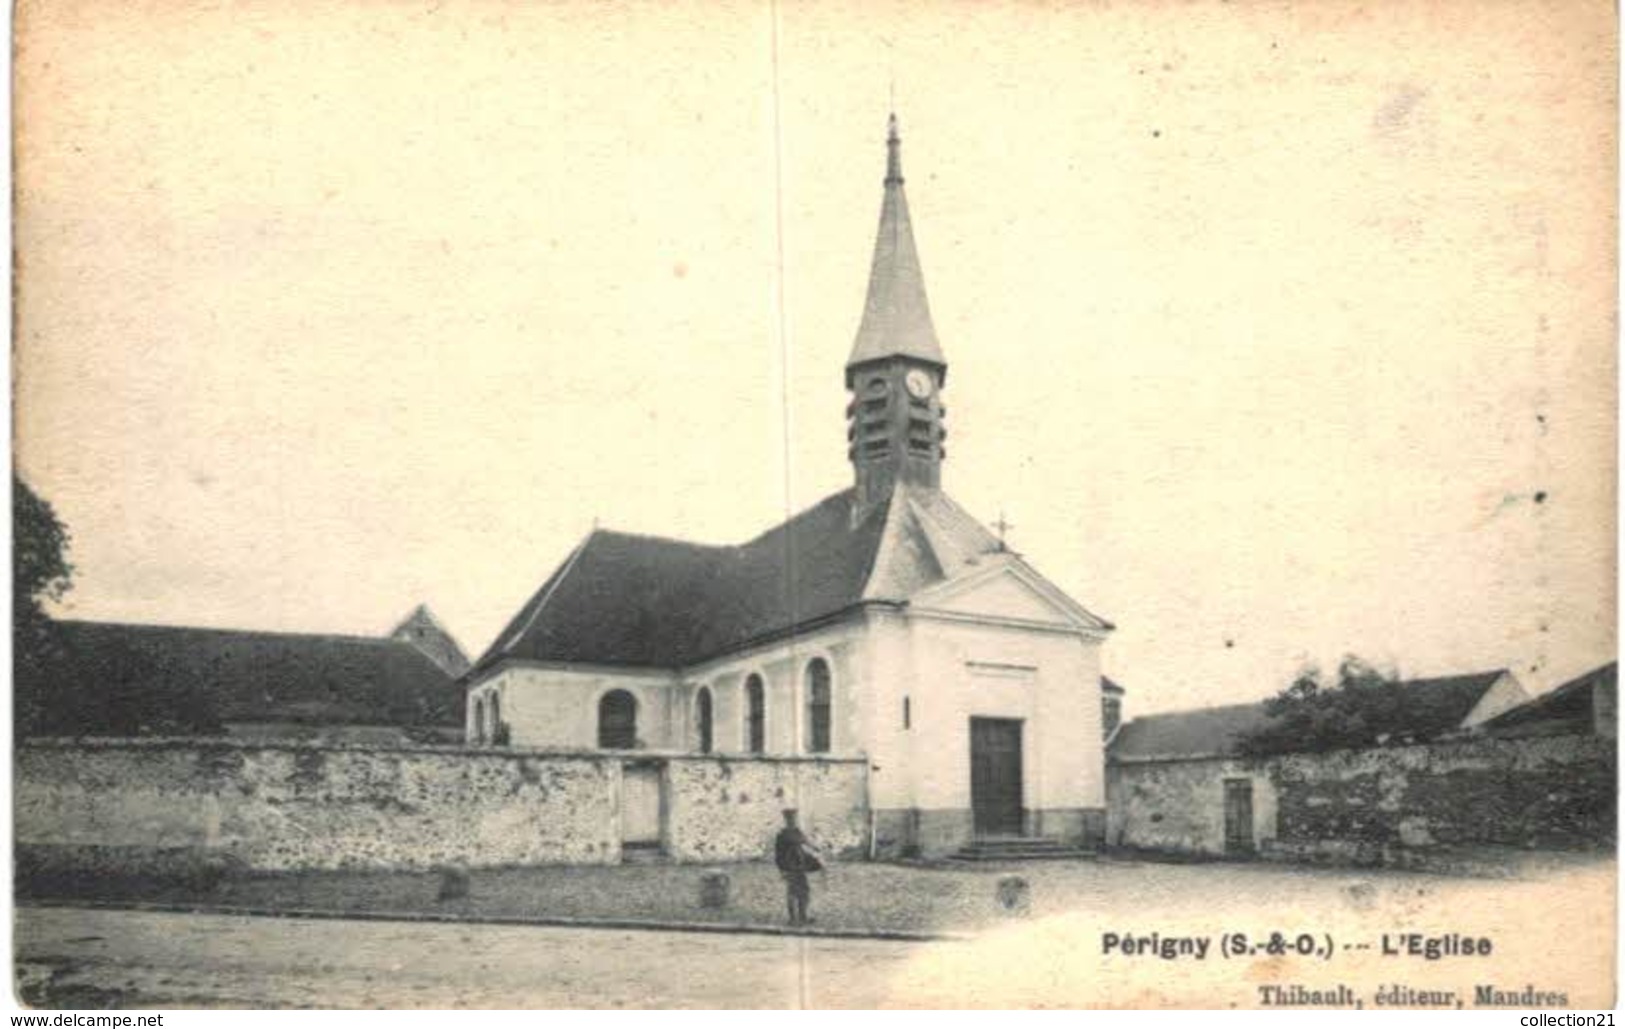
[(1178, 806), (1367, 804), (1554, 791), (108, 805), (726, 808)]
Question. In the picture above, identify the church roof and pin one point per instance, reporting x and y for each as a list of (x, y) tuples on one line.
[(896, 316), (141, 674), (620, 599)]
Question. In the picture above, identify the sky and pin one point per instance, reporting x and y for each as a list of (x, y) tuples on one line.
[(1277, 332)]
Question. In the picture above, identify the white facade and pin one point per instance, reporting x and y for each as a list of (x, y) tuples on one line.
[(905, 681)]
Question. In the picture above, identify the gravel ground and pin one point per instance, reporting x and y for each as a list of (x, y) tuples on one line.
[(1554, 934), (847, 896)]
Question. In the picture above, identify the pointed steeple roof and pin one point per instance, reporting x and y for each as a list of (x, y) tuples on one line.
[(896, 316)]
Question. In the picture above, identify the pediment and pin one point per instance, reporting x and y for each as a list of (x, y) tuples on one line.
[(1009, 593)]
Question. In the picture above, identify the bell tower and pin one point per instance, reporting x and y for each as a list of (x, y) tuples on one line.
[(896, 371)]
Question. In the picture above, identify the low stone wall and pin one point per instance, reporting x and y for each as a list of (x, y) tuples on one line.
[(1369, 805), (1177, 807), (724, 809), (148, 805)]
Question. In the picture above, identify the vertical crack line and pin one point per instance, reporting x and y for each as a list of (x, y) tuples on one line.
[(783, 329)]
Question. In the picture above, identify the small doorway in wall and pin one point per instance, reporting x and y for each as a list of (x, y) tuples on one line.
[(1238, 817), (640, 810), (995, 776)]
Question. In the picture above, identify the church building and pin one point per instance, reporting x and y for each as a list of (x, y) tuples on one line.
[(883, 623)]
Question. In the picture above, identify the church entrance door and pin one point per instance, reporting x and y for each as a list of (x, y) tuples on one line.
[(995, 776), (640, 805)]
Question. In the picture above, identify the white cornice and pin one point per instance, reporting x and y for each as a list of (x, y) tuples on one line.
[(753, 651), (1001, 622), (575, 668)]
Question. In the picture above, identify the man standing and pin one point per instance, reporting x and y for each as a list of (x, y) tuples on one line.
[(795, 858)]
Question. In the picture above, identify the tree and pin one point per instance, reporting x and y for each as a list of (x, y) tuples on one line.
[(40, 573), (1363, 707)]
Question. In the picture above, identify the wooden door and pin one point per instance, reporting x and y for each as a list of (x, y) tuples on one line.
[(1238, 816), (640, 805), (995, 776)]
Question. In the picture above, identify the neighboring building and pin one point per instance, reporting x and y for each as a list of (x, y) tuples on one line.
[(1433, 708), (1180, 782), (1111, 708), (1587, 705), (422, 630), (134, 680), (883, 621)]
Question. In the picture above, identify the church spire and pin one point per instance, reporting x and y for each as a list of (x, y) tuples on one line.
[(894, 153), (895, 427), (896, 317)]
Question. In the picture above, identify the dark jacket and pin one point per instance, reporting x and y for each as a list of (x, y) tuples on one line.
[(790, 850)]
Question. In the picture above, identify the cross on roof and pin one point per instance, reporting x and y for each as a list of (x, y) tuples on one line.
[(1003, 526)]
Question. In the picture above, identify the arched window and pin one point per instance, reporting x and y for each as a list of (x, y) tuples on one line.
[(755, 715), (618, 721), (479, 719), (702, 718), (496, 735), (818, 706)]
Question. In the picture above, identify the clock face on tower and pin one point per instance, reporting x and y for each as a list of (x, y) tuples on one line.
[(918, 383)]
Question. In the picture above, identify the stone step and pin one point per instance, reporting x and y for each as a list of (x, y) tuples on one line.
[(963, 858), (1029, 848), (1016, 843)]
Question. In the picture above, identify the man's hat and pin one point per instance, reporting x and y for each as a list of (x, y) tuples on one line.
[(789, 811)]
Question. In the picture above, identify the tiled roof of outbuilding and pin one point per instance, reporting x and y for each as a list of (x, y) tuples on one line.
[(248, 676), (1205, 732), (1434, 706), (424, 631), (1570, 707)]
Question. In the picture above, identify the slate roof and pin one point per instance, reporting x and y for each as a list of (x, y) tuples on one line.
[(1570, 707), (1434, 706), (248, 676), (1206, 732), (644, 601), (621, 599), (896, 316)]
